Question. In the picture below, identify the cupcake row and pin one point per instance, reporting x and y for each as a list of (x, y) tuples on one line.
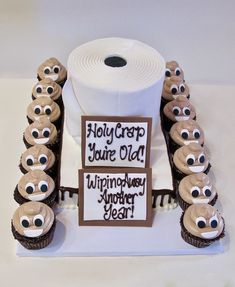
[(201, 223), (34, 221)]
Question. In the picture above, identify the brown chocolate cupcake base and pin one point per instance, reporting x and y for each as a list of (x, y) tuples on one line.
[(194, 240), (52, 146), (34, 243)]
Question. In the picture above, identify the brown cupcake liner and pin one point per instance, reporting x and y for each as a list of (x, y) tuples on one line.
[(34, 243), (194, 240), (179, 175), (50, 200), (184, 205)]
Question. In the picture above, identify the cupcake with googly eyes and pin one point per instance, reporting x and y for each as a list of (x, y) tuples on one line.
[(176, 111), (52, 69), (38, 157), (190, 159), (196, 189), (44, 106), (42, 131), (172, 89), (36, 185), (185, 132), (33, 225), (201, 225), (173, 69), (48, 88)]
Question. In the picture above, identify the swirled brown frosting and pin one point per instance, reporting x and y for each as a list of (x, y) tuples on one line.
[(36, 185), (197, 188), (47, 88), (191, 159), (203, 221), (37, 157), (42, 131), (33, 219), (43, 106), (173, 88), (52, 69), (186, 132), (173, 69), (179, 109)]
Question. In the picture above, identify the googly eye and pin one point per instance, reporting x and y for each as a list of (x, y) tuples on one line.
[(195, 191), (196, 133), (47, 70), (38, 220), (39, 89), (201, 158), (177, 71), (37, 110), (24, 221), (56, 69), (182, 88), (35, 133), (201, 222), (47, 110), (43, 186), (176, 111), (42, 158), (206, 191), (190, 159), (50, 90), (30, 188), (168, 73), (30, 160), (46, 132), (213, 221), (184, 134), (174, 89), (186, 111)]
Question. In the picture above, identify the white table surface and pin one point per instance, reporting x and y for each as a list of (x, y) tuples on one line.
[(215, 113)]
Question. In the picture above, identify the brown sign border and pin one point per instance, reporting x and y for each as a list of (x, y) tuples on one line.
[(149, 212), (147, 120)]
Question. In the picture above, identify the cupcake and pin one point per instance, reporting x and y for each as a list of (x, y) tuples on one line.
[(172, 89), (54, 70), (190, 159), (36, 185), (38, 157), (178, 110), (42, 131), (173, 69), (48, 88), (44, 106), (201, 225), (185, 132), (195, 189), (33, 225)]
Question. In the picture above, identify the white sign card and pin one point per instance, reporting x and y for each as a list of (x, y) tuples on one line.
[(116, 141), (115, 197)]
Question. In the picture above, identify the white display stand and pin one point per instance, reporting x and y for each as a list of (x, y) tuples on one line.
[(163, 238)]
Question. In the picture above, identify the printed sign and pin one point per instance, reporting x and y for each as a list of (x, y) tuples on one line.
[(116, 141), (115, 197)]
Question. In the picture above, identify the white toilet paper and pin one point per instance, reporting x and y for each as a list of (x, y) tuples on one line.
[(113, 77)]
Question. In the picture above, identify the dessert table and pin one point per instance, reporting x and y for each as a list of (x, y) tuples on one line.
[(214, 106)]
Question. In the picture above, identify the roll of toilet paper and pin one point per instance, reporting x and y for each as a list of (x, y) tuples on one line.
[(113, 77)]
